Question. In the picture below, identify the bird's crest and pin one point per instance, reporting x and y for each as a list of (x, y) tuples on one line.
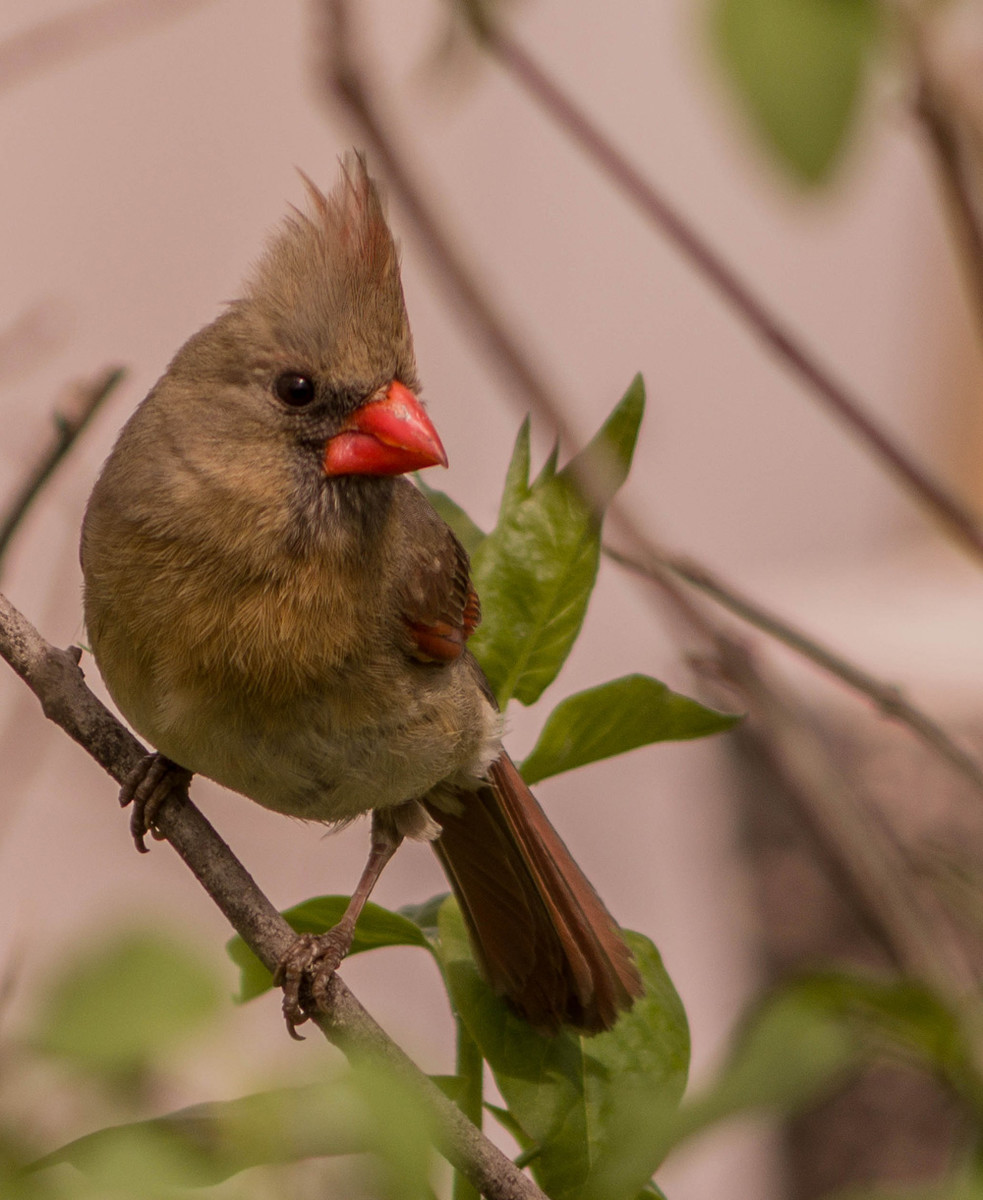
[(328, 285)]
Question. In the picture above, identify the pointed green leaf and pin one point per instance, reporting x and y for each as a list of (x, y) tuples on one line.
[(376, 927), (467, 532), (613, 718), (601, 468), (536, 569), (516, 487), (573, 1096), (510, 1125), (119, 1007), (799, 66)]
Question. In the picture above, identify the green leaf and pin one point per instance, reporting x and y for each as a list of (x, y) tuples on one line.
[(574, 1096), (600, 469), (535, 571), (424, 915), (516, 488), (613, 718), (789, 1053), (453, 1086), (799, 66), (510, 1125), (376, 927), (371, 1109), (120, 1007), (467, 532), (206, 1143)]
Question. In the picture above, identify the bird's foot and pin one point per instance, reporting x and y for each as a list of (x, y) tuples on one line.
[(306, 971), (148, 785)]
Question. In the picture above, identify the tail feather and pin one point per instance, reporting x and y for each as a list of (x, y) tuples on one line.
[(540, 932)]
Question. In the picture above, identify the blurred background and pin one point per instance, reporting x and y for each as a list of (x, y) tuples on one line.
[(147, 153)]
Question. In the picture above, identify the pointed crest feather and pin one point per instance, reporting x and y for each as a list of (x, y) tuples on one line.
[(328, 286)]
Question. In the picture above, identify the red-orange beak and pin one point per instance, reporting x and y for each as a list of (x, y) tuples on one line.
[(385, 437)]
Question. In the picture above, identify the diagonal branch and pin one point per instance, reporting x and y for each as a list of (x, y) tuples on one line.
[(72, 34), (887, 696), (860, 850), (54, 677), (951, 154), (88, 399), (934, 496)]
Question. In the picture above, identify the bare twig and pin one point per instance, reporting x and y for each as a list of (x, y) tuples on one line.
[(68, 426), (860, 849), (836, 396), (888, 697), (942, 131), (72, 34), (54, 677)]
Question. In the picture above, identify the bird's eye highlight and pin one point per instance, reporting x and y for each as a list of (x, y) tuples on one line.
[(294, 389)]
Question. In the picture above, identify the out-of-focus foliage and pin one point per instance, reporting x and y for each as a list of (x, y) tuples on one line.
[(798, 68), (117, 1009)]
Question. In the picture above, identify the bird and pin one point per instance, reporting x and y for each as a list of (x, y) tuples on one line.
[(275, 606)]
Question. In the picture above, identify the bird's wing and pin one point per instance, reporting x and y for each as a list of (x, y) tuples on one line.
[(439, 605)]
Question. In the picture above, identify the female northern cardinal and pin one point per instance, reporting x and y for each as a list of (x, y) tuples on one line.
[(273, 607)]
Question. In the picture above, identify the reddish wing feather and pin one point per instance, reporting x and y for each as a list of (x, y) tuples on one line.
[(441, 608)]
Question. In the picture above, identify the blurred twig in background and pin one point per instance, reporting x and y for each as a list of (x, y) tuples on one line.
[(932, 495), (69, 423), (73, 34), (888, 697), (956, 154)]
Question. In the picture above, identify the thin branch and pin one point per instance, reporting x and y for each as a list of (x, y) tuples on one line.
[(54, 677), (963, 200), (861, 851), (87, 400), (888, 697), (70, 35), (916, 479)]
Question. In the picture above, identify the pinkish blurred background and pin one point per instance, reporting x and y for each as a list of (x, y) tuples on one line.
[(139, 182)]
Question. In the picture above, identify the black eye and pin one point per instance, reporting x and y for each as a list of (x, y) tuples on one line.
[(293, 389)]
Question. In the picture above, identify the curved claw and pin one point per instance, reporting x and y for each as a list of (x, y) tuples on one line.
[(305, 973), (148, 785)]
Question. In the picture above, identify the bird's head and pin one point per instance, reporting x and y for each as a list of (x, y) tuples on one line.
[(303, 394)]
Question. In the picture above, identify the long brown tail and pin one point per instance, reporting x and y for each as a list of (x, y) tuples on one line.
[(539, 930)]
